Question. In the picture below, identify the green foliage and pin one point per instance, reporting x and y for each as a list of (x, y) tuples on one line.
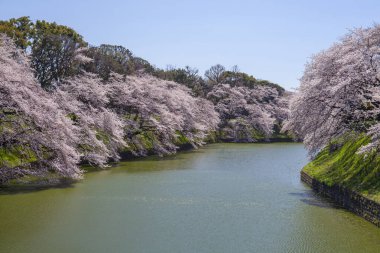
[(20, 30), (238, 79), (181, 139), (339, 163), (52, 47), (13, 154), (212, 137), (257, 135), (142, 141), (242, 79), (108, 58), (74, 117), (53, 52), (102, 136), (273, 85), (187, 76), (16, 156), (118, 59), (141, 65), (190, 77), (43, 29)]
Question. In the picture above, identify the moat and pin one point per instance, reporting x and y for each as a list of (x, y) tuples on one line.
[(220, 198)]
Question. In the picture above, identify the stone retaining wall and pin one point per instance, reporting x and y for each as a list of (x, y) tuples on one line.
[(351, 200)]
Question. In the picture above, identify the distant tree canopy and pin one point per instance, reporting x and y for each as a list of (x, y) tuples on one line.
[(118, 59), (187, 76), (108, 58), (237, 78), (217, 74)]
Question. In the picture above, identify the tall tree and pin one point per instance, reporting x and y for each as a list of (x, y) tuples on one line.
[(54, 48)]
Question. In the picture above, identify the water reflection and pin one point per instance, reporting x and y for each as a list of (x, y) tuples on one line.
[(42, 186)]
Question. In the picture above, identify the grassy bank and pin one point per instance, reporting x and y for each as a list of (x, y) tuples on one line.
[(340, 164)]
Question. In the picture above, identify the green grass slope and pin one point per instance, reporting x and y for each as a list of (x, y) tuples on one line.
[(339, 163)]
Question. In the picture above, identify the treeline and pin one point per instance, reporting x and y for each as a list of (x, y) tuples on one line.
[(64, 102), (53, 50)]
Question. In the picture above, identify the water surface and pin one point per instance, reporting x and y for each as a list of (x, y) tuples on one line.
[(221, 198)]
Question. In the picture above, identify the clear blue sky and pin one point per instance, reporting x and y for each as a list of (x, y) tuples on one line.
[(269, 39)]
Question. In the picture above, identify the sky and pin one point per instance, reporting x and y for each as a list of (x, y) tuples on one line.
[(268, 39)]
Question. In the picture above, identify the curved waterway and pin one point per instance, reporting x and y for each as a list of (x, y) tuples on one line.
[(221, 198)]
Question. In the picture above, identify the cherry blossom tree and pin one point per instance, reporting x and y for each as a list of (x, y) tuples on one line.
[(339, 91), (31, 124), (158, 112), (101, 132), (246, 112)]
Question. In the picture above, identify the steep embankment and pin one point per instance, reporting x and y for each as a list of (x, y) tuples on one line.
[(348, 177)]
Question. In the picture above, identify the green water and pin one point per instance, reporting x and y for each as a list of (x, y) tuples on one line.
[(221, 198)]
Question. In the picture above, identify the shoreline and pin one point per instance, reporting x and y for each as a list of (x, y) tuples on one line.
[(43, 183), (348, 199)]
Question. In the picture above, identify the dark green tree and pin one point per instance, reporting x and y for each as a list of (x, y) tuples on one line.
[(187, 76), (118, 59), (107, 59), (53, 51)]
